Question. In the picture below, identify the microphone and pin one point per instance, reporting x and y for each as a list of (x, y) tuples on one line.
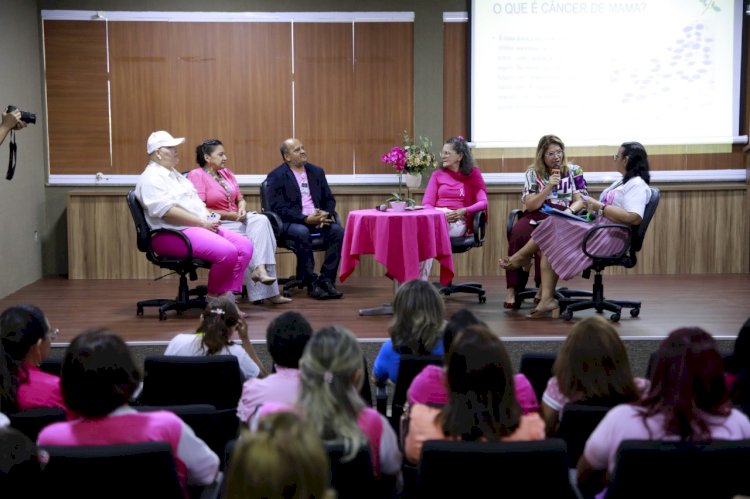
[(555, 170)]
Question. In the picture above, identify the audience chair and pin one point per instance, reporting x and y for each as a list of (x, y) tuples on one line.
[(646, 468), (352, 478), (409, 367), (317, 242), (52, 365), (185, 267), (462, 244), (31, 421), (178, 380), (20, 469), (626, 258), (537, 367), (504, 469), (577, 422)]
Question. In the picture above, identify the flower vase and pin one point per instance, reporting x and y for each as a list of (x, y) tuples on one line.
[(398, 205), (413, 181)]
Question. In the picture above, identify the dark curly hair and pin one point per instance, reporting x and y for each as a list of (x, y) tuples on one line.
[(206, 147), (637, 162), (460, 145)]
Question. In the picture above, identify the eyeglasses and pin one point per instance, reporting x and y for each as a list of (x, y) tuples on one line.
[(554, 154), (52, 334), (617, 156)]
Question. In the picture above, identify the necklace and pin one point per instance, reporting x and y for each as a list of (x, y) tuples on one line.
[(221, 180)]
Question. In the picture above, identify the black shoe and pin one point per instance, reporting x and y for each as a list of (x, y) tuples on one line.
[(317, 291), (328, 286)]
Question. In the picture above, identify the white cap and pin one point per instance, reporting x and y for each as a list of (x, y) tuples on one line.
[(162, 139)]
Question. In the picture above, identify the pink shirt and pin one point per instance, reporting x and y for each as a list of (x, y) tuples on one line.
[(429, 387), (555, 400), (308, 207), (40, 389), (445, 191), (212, 193), (282, 387)]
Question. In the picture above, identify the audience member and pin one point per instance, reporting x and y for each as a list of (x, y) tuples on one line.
[(170, 201), (592, 367), (218, 188), (219, 321), (688, 401), (283, 459), (300, 195), (552, 181), (20, 469), (11, 121), (430, 386), (286, 337), (560, 238), (331, 375), (481, 404), (457, 189), (99, 376), (27, 338), (739, 380), (416, 328)]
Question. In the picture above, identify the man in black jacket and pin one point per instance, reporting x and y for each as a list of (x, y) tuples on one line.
[(300, 195)]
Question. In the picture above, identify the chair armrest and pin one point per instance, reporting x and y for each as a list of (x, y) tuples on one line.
[(178, 233), (275, 221), (513, 216), (478, 227), (594, 230)]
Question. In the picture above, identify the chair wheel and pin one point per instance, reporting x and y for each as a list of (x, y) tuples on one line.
[(567, 315), (614, 317), (162, 315), (139, 311), (634, 312), (482, 299)]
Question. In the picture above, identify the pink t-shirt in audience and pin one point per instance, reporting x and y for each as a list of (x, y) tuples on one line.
[(555, 399), (429, 387), (40, 389), (281, 387)]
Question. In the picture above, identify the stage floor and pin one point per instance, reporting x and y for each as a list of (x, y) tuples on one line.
[(720, 304)]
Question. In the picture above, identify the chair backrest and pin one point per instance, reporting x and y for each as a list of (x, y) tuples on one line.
[(144, 469), (180, 380), (142, 230), (639, 232), (408, 368), (537, 367), (31, 421), (504, 469), (577, 422), (350, 477), (646, 468)]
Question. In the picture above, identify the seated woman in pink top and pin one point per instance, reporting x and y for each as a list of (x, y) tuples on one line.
[(481, 403), (27, 338), (457, 188), (688, 402), (99, 376), (430, 386)]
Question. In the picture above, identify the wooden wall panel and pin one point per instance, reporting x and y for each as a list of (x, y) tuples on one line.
[(323, 88), (170, 76), (77, 101), (383, 90), (455, 80), (694, 231)]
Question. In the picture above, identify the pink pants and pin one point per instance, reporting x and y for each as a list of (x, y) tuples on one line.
[(228, 252)]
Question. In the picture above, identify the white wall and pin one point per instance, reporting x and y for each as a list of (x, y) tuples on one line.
[(22, 200)]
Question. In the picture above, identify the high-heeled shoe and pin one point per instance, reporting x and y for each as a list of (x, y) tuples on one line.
[(539, 313), (259, 275), (506, 263)]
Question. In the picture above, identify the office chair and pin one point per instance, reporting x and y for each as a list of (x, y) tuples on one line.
[(180, 380), (648, 468), (317, 242), (577, 422), (626, 258), (450, 468), (184, 266), (462, 244), (351, 478)]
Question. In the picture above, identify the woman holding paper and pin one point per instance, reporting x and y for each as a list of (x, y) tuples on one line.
[(550, 180), (559, 238)]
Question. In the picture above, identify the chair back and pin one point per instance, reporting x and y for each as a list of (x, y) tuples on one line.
[(537, 367), (180, 380), (511, 469), (351, 477), (144, 469), (142, 230), (31, 421), (577, 422), (408, 369), (646, 468)]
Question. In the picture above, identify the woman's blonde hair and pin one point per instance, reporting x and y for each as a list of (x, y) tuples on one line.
[(417, 323), (331, 371), (541, 149), (284, 458)]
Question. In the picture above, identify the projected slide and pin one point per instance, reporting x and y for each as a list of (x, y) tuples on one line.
[(601, 72)]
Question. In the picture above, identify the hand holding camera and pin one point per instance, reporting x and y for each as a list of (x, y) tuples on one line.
[(21, 116)]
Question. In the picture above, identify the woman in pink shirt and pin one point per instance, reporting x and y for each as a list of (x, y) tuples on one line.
[(457, 188), (27, 338)]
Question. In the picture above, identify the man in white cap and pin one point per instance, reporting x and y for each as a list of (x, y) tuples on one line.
[(171, 202)]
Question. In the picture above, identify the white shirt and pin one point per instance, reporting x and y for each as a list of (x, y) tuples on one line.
[(159, 189), (189, 345)]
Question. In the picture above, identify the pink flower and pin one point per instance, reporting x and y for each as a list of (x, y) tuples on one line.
[(396, 158)]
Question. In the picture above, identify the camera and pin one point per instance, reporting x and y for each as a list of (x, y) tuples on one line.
[(26, 117)]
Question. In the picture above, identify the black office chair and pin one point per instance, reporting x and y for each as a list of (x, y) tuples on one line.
[(504, 469), (537, 367), (31, 421), (646, 468), (462, 244), (184, 266), (626, 258), (408, 368), (317, 242), (351, 477), (577, 422), (180, 380)]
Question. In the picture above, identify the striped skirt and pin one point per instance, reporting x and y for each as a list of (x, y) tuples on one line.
[(561, 240)]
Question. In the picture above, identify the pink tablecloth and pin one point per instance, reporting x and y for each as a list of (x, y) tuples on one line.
[(399, 241)]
